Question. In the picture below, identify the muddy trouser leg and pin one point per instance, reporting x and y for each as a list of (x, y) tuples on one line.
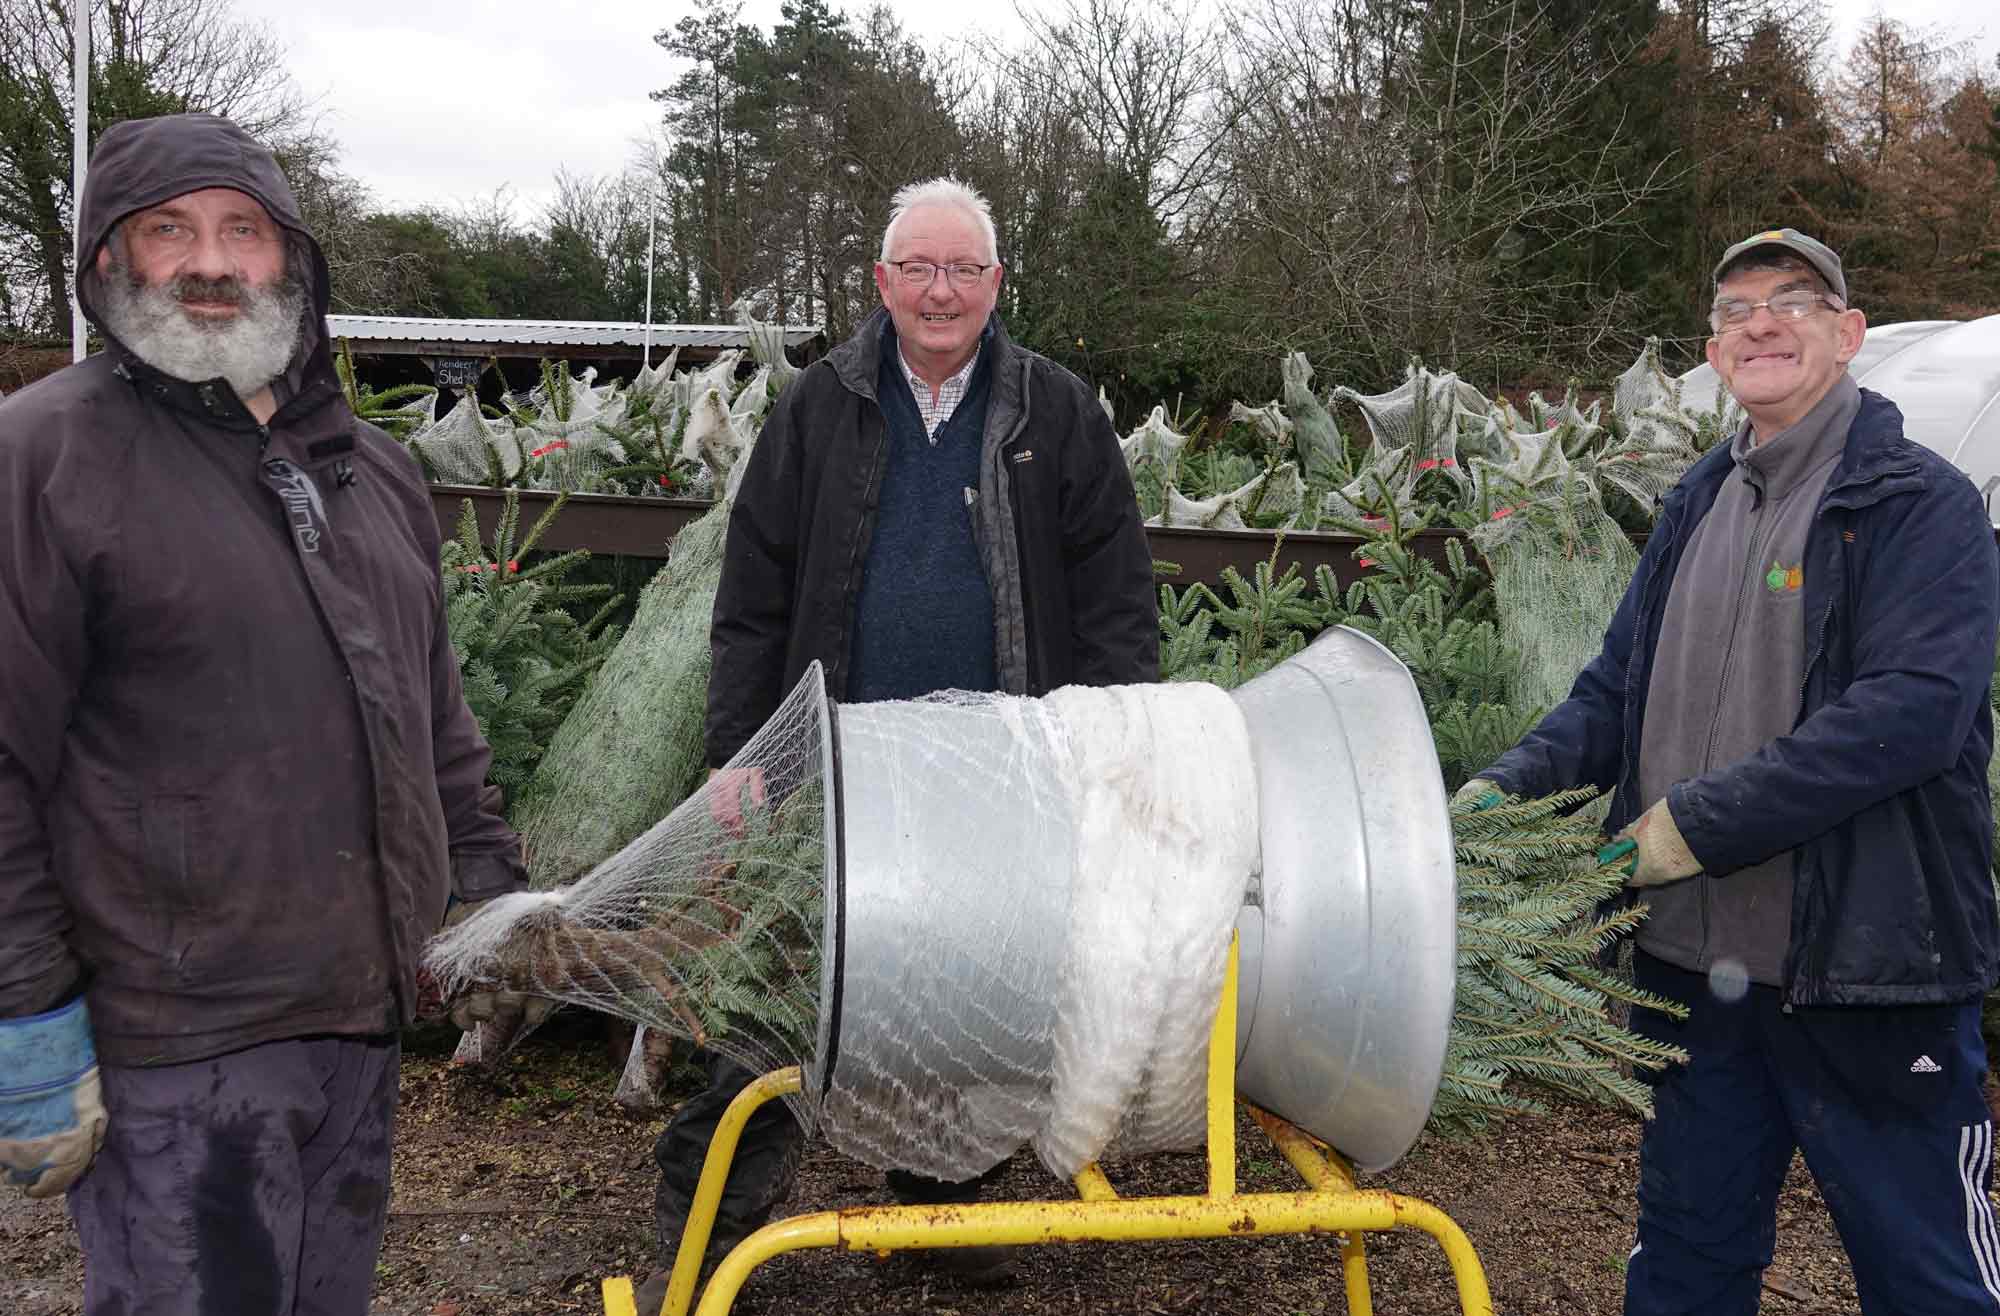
[(253, 1182), (922, 1190), (760, 1177)]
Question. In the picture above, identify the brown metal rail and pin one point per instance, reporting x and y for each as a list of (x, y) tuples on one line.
[(643, 527)]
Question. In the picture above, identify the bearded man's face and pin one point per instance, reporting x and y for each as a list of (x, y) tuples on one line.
[(198, 288)]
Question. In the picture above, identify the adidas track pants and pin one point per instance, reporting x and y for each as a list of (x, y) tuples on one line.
[(1888, 1107)]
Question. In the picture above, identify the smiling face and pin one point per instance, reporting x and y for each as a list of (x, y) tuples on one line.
[(1780, 369), (938, 326)]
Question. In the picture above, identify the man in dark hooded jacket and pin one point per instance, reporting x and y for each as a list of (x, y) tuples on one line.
[(238, 779)]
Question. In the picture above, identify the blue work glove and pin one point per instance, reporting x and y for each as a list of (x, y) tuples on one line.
[(51, 1106), (1479, 793), (1653, 849)]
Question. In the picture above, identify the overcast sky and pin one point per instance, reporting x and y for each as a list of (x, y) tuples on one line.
[(436, 103)]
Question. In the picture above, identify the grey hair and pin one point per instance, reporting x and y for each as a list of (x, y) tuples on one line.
[(941, 192), (1769, 261)]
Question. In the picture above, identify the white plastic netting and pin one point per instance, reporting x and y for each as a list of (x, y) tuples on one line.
[(1035, 952), (631, 748), (464, 446), (1279, 491), (1320, 444), (1560, 560), (1033, 917), (707, 926), (1413, 431), (571, 433)]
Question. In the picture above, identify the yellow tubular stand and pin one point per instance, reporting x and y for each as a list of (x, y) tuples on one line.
[(1331, 1205)]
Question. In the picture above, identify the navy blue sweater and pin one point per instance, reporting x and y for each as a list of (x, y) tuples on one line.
[(923, 620)]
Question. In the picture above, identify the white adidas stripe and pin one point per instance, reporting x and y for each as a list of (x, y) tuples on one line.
[(1975, 1153), (1987, 1247)]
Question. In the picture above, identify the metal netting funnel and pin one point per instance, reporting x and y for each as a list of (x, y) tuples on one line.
[(944, 943), (949, 921), (1349, 953), (981, 921)]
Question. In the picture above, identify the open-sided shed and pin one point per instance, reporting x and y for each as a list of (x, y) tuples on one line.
[(456, 351)]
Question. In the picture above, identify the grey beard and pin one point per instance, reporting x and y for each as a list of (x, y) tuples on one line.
[(249, 350)]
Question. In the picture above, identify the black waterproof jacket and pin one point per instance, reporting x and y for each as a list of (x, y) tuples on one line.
[(1056, 522), (1880, 788), (237, 774)]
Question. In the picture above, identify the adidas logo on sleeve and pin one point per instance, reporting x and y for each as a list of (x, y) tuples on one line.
[(1925, 1065)]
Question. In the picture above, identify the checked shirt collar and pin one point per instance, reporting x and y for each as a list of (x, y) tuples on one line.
[(935, 414)]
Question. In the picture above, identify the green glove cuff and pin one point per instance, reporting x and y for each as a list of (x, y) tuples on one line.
[(1478, 794)]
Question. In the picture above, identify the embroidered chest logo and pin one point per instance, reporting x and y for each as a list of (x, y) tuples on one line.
[(1781, 579)]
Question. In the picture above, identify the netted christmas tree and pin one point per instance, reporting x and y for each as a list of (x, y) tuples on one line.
[(647, 437), (523, 655), (1541, 512), (633, 747), (400, 410)]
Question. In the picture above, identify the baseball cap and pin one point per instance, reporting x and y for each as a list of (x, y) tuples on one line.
[(1824, 260)]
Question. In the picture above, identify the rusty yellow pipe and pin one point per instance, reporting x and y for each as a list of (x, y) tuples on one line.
[(1222, 1086), (708, 1191), (1473, 1295), (618, 1297), (900, 1228), (1092, 1186), (1328, 1174), (820, 1229), (894, 1228)]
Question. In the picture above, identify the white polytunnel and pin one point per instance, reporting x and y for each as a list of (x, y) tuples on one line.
[(1943, 374)]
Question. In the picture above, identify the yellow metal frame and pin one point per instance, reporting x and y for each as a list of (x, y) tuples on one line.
[(1331, 1205)]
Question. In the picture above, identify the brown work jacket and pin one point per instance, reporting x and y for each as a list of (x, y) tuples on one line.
[(237, 772)]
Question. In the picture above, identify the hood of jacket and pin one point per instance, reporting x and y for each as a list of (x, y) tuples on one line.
[(140, 163)]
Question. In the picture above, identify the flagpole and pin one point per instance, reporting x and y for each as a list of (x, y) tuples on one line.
[(79, 329)]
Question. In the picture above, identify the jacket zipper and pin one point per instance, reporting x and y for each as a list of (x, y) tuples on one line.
[(1813, 655), (1625, 766), (1830, 500), (1028, 664)]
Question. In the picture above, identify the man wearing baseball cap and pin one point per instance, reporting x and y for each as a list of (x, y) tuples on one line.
[(1792, 705)]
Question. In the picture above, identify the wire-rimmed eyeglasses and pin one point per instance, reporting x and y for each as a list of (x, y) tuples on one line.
[(1793, 304), (922, 273)]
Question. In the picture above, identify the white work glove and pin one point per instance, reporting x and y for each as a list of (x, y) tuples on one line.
[(507, 1015), (1658, 853), (51, 1104)]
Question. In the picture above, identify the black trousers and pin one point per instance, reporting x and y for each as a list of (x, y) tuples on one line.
[(765, 1168)]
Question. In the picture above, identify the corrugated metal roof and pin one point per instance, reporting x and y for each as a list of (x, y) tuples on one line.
[(544, 333)]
